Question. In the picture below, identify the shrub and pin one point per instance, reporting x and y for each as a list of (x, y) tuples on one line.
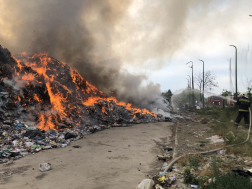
[(189, 178), (194, 162)]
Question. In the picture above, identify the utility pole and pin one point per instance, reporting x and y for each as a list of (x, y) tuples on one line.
[(193, 103), (203, 84), (235, 71)]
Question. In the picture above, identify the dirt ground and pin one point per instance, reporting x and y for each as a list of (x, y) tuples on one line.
[(115, 158), (192, 137)]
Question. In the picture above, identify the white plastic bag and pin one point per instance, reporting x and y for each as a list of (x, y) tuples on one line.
[(146, 184)]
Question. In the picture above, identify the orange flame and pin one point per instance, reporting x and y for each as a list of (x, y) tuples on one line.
[(49, 72)]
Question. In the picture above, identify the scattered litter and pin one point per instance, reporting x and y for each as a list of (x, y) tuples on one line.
[(164, 166), (9, 162), (146, 184), (70, 135), (44, 167), (168, 148), (164, 157), (194, 186), (64, 145), (242, 172), (216, 139), (164, 180), (77, 146), (222, 152), (157, 186), (250, 170), (163, 173)]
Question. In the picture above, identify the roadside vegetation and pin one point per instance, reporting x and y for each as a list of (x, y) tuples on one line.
[(219, 175), (222, 123), (214, 177)]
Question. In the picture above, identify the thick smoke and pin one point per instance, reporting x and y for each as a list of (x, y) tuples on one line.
[(100, 37)]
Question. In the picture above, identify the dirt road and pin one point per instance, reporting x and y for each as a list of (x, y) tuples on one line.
[(110, 159)]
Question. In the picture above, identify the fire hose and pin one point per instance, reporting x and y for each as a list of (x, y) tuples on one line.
[(211, 151)]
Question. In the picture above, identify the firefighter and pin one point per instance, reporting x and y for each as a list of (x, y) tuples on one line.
[(243, 111)]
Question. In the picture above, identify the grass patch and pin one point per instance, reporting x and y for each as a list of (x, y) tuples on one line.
[(199, 149), (222, 128), (213, 178), (194, 162), (244, 149), (229, 181), (191, 161), (203, 142)]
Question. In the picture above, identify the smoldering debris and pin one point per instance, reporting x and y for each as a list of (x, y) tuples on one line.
[(54, 106)]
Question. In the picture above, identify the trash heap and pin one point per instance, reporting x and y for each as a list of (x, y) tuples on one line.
[(55, 96), (19, 137), (16, 143)]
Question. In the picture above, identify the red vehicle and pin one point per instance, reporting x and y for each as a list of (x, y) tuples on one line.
[(215, 100)]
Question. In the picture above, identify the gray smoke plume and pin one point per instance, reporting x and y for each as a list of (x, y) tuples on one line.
[(99, 37)]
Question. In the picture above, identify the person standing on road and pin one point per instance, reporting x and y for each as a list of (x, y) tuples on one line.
[(243, 111)]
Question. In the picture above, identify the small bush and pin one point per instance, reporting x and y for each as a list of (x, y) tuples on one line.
[(194, 162), (189, 178)]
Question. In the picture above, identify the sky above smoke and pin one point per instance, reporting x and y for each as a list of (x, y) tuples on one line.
[(136, 48)]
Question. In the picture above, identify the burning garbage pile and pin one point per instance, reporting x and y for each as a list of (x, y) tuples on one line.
[(56, 96), (46, 104)]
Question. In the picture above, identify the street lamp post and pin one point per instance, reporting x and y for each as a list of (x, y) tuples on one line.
[(235, 71), (190, 80), (192, 83), (203, 83), (190, 90), (188, 84)]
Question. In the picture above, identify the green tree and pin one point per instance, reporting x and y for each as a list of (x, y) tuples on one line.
[(225, 92), (184, 96)]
